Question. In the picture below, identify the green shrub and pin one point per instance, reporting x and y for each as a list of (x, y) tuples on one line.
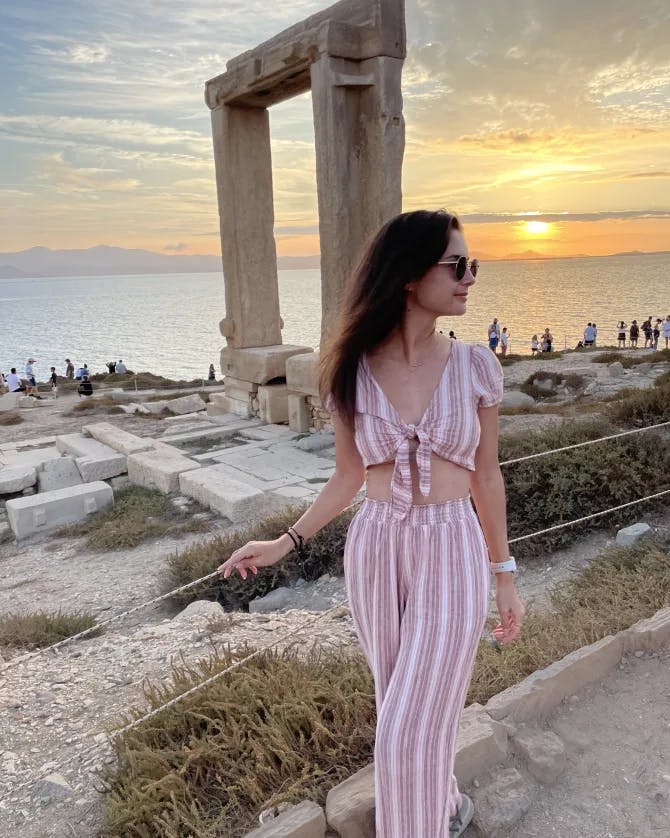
[(323, 554), (627, 361), (284, 727), (530, 386), (638, 408), (42, 628), (561, 487)]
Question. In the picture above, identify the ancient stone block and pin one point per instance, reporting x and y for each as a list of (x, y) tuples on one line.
[(501, 803), (273, 403), (118, 439), (259, 363), (58, 474), (30, 458), (299, 414), (159, 468), (50, 510), (542, 751), (185, 404), (302, 373), (350, 806), (17, 479), (306, 820), (481, 744), (236, 500)]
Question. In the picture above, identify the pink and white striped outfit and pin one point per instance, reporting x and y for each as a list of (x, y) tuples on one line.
[(417, 580)]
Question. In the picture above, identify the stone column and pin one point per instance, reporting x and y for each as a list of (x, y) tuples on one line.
[(360, 137), (243, 164)]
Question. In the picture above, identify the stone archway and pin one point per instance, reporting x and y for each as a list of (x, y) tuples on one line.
[(350, 56)]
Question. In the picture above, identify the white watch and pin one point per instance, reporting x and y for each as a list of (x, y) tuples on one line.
[(504, 567)]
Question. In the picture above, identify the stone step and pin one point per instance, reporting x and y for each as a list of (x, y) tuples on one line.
[(117, 438)]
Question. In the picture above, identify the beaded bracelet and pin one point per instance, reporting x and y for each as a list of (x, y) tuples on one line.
[(298, 541)]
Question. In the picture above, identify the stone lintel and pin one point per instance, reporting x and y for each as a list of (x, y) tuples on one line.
[(279, 68), (259, 364)]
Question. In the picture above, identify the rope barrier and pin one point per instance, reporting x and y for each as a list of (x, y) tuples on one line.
[(305, 624), (122, 615)]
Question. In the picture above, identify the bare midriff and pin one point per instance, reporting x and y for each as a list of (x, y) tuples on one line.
[(447, 481)]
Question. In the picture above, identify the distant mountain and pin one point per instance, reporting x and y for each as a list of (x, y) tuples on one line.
[(104, 260)]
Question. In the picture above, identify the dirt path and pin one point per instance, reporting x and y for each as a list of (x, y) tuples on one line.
[(617, 737)]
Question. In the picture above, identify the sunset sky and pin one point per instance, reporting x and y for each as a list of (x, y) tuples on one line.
[(544, 124)]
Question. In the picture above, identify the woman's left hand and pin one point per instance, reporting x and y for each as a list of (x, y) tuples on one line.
[(511, 611)]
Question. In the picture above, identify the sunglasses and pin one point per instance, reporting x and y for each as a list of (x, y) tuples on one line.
[(461, 265)]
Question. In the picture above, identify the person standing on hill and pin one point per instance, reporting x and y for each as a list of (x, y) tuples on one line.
[(634, 333), (648, 332), (657, 332), (53, 380), (494, 334), (504, 341), (621, 334), (414, 413), (589, 335), (69, 369), (665, 331)]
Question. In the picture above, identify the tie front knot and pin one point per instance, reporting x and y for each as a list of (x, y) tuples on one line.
[(410, 432)]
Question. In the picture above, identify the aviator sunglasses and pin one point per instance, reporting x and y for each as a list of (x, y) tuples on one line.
[(461, 265)]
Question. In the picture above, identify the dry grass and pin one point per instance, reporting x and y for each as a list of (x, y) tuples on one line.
[(645, 356), (10, 417), (33, 631), (94, 404), (138, 514), (291, 726)]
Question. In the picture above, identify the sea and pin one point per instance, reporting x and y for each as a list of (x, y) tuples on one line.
[(169, 323)]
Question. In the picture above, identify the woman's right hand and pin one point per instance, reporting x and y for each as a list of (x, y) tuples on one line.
[(253, 555)]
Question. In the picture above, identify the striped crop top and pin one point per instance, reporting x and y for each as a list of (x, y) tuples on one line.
[(472, 378)]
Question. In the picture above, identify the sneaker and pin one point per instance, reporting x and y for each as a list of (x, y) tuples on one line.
[(458, 823)]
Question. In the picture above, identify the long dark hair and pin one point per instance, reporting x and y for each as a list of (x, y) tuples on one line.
[(374, 299)]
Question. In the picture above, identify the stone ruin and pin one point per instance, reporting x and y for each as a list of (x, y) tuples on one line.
[(350, 56)]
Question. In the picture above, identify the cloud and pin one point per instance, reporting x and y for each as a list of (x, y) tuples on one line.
[(176, 248)]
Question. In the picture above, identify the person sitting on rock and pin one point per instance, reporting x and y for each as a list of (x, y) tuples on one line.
[(121, 368), (86, 387)]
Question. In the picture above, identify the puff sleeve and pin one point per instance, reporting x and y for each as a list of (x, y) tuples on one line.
[(487, 376)]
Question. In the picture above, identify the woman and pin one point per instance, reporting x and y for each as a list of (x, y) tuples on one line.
[(621, 334), (416, 413)]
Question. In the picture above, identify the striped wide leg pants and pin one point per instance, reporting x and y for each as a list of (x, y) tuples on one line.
[(418, 592)]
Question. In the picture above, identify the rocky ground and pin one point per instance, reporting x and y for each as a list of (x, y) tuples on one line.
[(57, 707)]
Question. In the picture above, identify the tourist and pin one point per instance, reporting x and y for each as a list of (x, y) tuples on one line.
[(31, 383), (111, 367), (648, 331), (665, 331), (494, 334), (86, 386), (534, 345), (504, 341), (589, 335), (634, 333), (547, 340), (121, 368), (14, 383), (69, 369), (595, 334), (657, 332), (53, 379), (3, 382), (415, 560), (621, 334), (451, 335), (211, 375), (81, 372)]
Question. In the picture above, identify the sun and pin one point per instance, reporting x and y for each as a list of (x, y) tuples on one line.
[(536, 228)]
